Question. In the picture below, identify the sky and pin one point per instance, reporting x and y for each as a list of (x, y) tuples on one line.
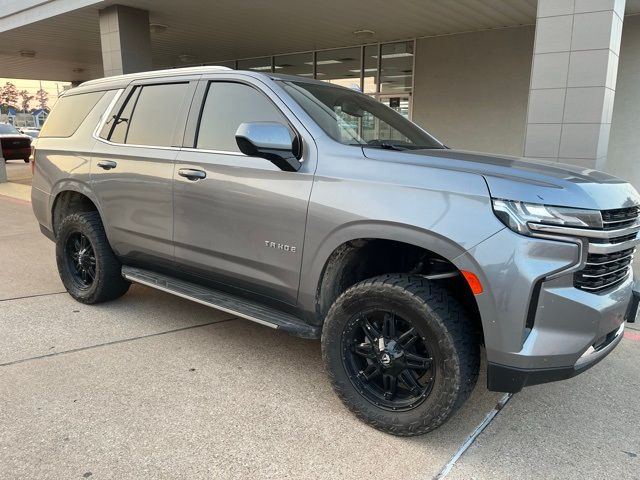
[(32, 86)]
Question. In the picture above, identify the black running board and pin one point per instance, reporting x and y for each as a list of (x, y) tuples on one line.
[(226, 302)]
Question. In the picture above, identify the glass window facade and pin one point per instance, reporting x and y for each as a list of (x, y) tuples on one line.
[(396, 67), (370, 69), (384, 71), (260, 64), (297, 64), (340, 67)]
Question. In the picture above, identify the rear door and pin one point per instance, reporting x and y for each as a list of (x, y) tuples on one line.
[(132, 168), (242, 224)]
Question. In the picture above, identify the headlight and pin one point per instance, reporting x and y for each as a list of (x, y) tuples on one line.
[(516, 215)]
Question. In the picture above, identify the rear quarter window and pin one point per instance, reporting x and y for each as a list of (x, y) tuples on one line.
[(68, 113)]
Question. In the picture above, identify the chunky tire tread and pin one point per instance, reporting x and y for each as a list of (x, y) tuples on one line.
[(456, 338), (109, 283)]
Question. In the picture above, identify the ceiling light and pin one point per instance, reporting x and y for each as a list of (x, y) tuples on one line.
[(395, 55), (366, 70), (157, 27), (265, 67), (324, 62), (364, 33), (27, 53)]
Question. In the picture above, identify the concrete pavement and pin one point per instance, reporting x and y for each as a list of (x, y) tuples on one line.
[(155, 386)]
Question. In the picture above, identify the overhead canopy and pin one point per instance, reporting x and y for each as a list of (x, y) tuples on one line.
[(64, 35)]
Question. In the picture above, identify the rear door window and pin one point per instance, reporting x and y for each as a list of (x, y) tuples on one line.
[(149, 116)]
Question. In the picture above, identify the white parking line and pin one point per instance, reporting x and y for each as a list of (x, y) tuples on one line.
[(469, 441)]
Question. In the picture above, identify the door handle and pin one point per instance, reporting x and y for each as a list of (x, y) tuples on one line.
[(192, 174), (107, 164)]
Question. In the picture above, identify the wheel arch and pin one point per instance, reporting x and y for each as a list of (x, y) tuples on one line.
[(367, 249), (70, 196)]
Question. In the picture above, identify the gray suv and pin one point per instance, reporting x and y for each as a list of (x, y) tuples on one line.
[(314, 209)]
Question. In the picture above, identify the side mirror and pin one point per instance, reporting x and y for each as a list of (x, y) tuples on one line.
[(272, 141)]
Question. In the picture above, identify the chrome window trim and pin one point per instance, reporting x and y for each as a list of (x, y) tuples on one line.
[(105, 114), (219, 152)]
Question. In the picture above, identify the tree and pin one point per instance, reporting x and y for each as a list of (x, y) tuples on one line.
[(10, 95), (42, 97), (25, 100)]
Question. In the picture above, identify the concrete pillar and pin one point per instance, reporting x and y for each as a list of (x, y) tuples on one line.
[(3, 169), (573, 80), (125, 39)]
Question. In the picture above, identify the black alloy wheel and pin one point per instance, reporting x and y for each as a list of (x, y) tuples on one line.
[(388, 360), (82, 260)]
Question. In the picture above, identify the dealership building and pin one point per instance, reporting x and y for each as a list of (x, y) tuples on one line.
[(547, 79)]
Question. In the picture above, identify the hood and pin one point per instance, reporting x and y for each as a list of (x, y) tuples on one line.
[(515, 178), (14, 135)]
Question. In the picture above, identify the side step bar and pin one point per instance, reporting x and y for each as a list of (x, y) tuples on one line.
[(226, 302)]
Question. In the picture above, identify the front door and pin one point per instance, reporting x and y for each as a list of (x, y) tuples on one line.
[(239, 221)]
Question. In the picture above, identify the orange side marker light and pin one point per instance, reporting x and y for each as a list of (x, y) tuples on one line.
[(473, 281)]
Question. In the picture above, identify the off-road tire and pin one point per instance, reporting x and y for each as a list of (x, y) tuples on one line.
[(431, 308), (108, 283)]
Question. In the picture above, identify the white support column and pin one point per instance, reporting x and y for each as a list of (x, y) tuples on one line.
[(125, 39), (573, 80)]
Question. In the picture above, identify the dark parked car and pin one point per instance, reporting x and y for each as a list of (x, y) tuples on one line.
[(15, 145)]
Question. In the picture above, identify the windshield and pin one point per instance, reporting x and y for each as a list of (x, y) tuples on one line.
[(6, 128), (353, 118)]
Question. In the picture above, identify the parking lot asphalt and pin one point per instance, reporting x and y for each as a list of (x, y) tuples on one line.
[(153, 386)]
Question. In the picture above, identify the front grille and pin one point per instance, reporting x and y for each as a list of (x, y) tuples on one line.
[(619, 217), (620, 239), (604, 271)]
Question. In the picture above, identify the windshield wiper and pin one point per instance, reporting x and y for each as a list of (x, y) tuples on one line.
[(384, 144)]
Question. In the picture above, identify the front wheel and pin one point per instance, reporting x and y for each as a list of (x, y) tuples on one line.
[(400, 352), (88, 268)]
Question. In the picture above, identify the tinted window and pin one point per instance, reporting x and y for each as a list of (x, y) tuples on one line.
[(227, 106), (68, 113), (118, 125), (154, 117)]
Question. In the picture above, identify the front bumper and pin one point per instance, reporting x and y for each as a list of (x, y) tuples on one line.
[(501, 378), (537, 326)]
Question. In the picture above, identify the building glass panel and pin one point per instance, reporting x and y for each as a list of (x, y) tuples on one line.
[(370, 69), (340, 67), (259, 64), (296, 64)]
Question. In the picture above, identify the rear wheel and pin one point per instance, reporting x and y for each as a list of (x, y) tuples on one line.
[(401, 353), (89, 269)]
